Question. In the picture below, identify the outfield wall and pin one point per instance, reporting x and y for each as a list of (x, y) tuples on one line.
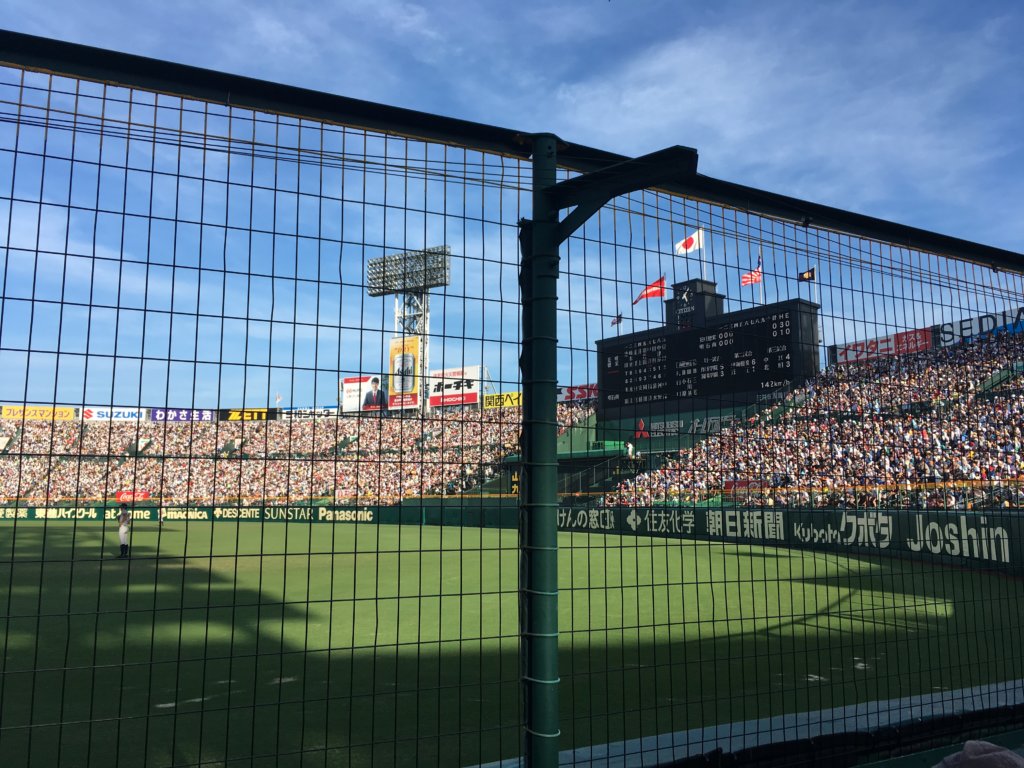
[(970, 539)]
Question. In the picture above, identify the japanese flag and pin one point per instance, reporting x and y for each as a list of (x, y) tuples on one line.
[(691, 243)]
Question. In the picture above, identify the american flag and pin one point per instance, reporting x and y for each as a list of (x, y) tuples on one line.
[(754, 276), (617, 319)]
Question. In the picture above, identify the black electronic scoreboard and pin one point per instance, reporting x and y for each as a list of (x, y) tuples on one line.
[(748, 356)]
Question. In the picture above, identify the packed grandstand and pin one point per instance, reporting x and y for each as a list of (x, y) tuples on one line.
[(354, 459), (938, 428)]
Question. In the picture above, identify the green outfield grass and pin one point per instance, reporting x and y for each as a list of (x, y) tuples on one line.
[(234, 643)]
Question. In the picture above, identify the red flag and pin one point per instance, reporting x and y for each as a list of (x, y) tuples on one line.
[(754, 276), (655, 289)]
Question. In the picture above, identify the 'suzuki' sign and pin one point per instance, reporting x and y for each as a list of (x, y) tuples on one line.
[(104, 413)]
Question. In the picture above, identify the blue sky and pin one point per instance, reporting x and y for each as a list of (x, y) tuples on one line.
[(909, 112)]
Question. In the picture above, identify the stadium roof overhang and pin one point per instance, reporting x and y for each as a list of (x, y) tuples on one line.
[(70, 59)]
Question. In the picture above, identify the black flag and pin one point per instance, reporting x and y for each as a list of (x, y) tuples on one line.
[(807, 276)]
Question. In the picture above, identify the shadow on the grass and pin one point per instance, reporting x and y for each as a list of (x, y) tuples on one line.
[(171, 657), (174, 657)]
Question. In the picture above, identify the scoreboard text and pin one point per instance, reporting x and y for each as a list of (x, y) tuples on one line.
[(755, 351)]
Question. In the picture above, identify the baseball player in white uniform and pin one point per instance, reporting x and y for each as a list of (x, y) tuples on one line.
[(124, 524)]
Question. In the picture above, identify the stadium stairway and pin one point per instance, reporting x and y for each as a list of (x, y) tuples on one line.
[(600, 478), (578, 437), (999, 378), (6, 443), (603, 477), (777, 413)]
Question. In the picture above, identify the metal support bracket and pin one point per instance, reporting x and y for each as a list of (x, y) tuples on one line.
[(588, 193)]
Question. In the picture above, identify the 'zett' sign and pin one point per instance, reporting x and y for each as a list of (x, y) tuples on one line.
[(248, 414)]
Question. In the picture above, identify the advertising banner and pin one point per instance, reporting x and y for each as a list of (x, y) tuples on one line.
[(182, 414), (123, 496), (404, 376), (732, 486), (307, 413), (362, 393), (38, 413), (504, 400), (1010, 320), (304, 514), (106, 413), (579, 392), (893, 345), (247, 414), (969, 539), (982, 540), (455, 386)]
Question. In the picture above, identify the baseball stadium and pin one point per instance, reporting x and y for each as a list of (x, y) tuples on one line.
[(328, 439)]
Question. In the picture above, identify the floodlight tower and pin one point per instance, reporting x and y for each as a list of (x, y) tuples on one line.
[(409, 276)]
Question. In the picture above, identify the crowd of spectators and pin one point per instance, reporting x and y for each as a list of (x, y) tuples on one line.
[(918, 429), (930, 429), (353, 459)]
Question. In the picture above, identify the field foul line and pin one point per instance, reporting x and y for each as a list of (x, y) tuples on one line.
[(732, 737)]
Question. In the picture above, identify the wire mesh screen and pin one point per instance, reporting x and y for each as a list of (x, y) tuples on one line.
[(261, 458), (802, 517), (243, 500)]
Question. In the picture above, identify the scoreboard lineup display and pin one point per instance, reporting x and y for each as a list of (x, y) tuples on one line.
[(748, 356)]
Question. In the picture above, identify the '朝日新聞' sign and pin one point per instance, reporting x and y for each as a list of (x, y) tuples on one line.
[(983, 540)]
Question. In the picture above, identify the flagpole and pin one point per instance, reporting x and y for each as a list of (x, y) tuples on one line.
[(760, 266)]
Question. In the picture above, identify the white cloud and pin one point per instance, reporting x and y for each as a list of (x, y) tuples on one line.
[(848, 120)]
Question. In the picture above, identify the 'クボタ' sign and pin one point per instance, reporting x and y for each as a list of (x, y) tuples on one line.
[(970, 539)]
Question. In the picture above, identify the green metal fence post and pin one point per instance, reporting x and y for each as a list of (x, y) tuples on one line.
[(538, 528), (538, 501)]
